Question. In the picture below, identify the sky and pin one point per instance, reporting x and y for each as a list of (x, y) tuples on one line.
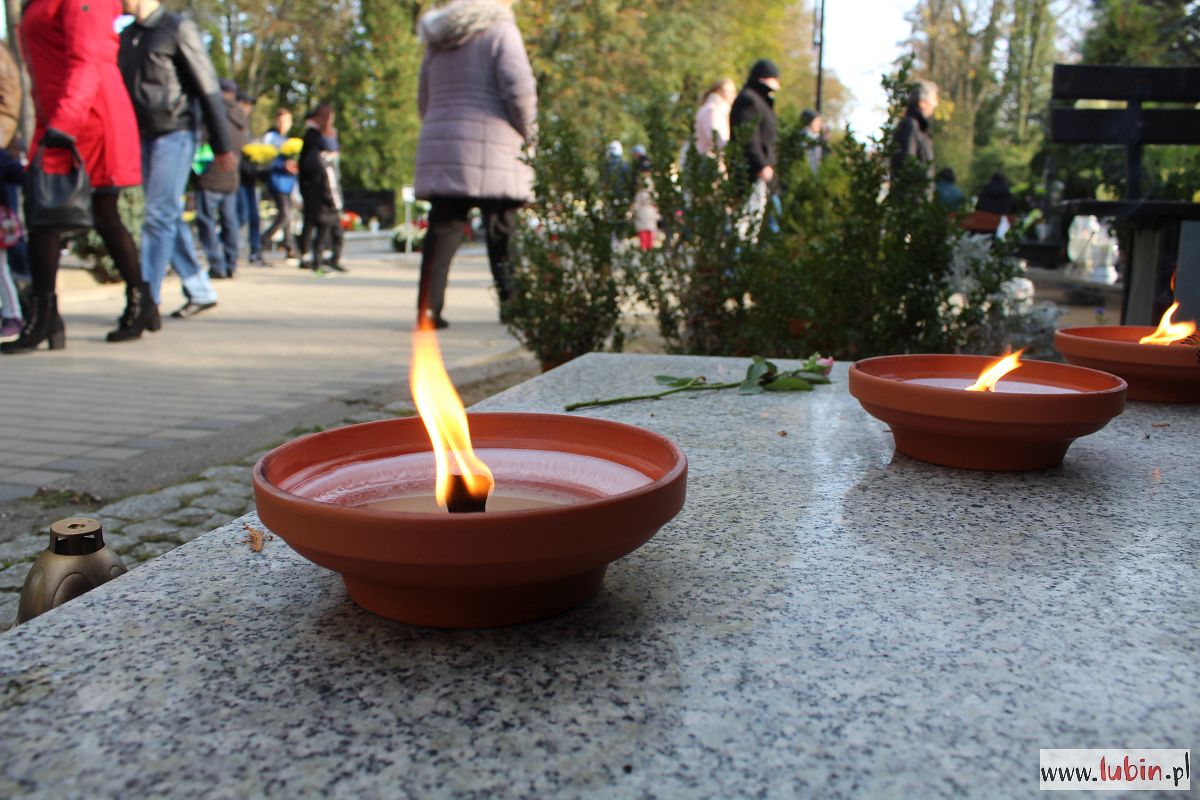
[(861, 43)]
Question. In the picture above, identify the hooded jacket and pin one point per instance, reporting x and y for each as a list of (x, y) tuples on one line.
[(752, 123), (478, 104)]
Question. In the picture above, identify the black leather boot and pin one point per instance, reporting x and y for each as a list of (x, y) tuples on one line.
[(42, 325), (141, 314)]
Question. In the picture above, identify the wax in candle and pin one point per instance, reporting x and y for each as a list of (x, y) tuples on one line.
[(1004, 386)]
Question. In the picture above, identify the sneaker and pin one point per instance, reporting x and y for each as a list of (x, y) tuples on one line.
[(218, 276), (191, 309), (10, 327), (338, 268)]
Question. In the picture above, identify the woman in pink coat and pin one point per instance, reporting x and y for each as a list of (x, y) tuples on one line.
[(71, 49)]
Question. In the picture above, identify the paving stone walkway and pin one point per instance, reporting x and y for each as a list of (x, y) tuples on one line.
[(143, 526)]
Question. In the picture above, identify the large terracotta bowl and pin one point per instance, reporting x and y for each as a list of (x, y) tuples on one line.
[(616, 485), (1027, 423), (1156, 373)]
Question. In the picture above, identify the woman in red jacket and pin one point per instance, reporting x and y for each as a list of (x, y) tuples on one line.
[(71, 49)]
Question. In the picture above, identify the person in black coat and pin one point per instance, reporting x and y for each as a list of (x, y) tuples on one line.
[(913, 139), (996, 196), (321, 190), (752, 122)]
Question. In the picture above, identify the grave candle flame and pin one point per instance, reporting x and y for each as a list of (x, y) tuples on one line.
[(995, 371), (441, 410), (1169, 331)]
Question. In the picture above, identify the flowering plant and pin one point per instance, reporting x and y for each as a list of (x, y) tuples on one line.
[(260, 153), (291, 148)]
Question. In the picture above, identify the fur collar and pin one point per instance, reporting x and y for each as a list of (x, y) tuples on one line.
[(456, 23)]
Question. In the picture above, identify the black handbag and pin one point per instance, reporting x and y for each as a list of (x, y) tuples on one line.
[(61, 203)]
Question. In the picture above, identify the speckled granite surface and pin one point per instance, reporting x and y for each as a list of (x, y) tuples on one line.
[(823, 619)]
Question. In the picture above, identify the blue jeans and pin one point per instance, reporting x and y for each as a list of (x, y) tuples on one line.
[(166, 238), (247, 211), (221, 250)]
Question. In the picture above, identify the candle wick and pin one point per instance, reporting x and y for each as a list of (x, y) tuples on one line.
[(460, 500)]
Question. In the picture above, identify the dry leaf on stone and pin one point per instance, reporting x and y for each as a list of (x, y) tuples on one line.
[(255, 538)]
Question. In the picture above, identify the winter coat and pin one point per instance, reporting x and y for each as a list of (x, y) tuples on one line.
[(478, 104), (913, 140), (753, 119), (279, 180), (320, 178), (212, 179), (645, 213), (949, 195), (712, 125), (71, 51), (10, 97), (171, 79), (995, 197)]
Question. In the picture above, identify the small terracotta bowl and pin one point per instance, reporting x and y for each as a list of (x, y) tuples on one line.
[(1027, 423), (617, 486), (1156, 373)]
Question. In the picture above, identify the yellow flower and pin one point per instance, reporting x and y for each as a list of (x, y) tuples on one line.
[(260, 152), (292, 147)]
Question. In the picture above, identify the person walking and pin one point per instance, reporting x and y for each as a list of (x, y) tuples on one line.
[(753, 123), (217, 220), (477, 99), (11, 174), (711, 129), (10, 97), (321, 190), (247, 198), (174, 89), (81, 103), (281, 182), (913, 139), (812, 133)]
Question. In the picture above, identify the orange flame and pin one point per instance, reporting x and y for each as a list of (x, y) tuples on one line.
[(995, 371), (1169, 331), (441, 410)]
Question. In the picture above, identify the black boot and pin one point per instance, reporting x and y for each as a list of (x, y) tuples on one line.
[(140, 315), (42, 325)]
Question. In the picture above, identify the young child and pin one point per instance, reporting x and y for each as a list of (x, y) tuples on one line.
[(11, 171)]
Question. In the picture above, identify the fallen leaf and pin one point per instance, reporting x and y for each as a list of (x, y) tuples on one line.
[(783, 433), (1160, 425), (255, 538)]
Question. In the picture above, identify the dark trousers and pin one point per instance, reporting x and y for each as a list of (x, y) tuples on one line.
[(247, 210), (321, 233), (283, 219), (447, 219)]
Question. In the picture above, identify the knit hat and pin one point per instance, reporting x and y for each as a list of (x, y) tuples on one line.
[(764, 68), (228, 86), (807, 117)]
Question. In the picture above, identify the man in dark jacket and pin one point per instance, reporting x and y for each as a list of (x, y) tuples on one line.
[(913, 139), (174, 89), (752, 121), (216, 197), (321, 189)]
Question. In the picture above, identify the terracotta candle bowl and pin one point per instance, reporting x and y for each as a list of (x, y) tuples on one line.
[(1157, 373), (1027, 423), (583, 492)]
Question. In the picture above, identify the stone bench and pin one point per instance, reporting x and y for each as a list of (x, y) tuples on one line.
[(824, 618)]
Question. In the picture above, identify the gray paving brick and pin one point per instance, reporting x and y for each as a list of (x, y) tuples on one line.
[(78, 464), (34, 477)]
